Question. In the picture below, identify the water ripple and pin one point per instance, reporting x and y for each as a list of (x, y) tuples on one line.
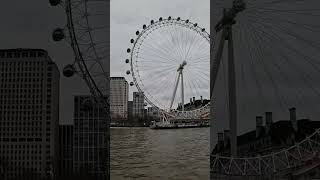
[(143, 153)]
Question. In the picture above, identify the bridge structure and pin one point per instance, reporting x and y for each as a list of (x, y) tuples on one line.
[(201, 114)]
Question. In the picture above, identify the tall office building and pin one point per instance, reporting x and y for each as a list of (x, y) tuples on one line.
[(90, 150), (66, 150), (138, 104), (29, 114), (119, 91)]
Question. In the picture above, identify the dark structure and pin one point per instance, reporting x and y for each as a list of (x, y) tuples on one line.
[(29, 114), (130, 110), (194, 104), (269, 138), (66, 151), (90, 139)]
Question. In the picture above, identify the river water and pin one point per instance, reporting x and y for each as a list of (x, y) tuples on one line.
[(143, 153)]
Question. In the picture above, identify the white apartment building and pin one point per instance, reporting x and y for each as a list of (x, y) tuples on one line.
[(119, 91)]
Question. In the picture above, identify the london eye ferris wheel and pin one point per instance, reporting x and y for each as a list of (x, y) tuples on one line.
[(169, 62)]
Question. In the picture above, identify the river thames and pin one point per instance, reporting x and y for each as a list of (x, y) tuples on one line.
[(143, 153)]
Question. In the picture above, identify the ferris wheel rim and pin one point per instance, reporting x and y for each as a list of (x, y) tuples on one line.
[(273, 156), (148, 30), (79, 59)]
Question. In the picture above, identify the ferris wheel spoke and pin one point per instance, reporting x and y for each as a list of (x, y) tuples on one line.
[(200, 47), (151, 66), (203, 49), (260, 60), (170, 47), (173, 43), (297, 24), (282, 101), (174, 48), (303, 75), (164, 88), (158, 73), (286, 12), (150, 69), (186, 40), (159, 54), (277, 66), (252, 69), (152, 59), (204, 71), (191, 45), (311, 44), (178, 42), (154, 55), (204, 59), (192, 90), (148, 59), (201, 76), (274, 2), (154, 39), (159, 48), (150, 46), (192, 82)]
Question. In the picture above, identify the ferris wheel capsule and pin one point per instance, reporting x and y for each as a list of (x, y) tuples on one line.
[(127, 60), (131, 83), (68, 70), (203, 29), (178, 19), (187, 21), (144, 26), (137, 32), (152, 21), (160, 19), (195, 24), (128, 72), (54, 2), (128, 50), (132, 40), (58, 34), (169, 18)]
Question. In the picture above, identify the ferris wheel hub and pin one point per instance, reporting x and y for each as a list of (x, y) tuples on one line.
[(230, 14), (181, 66)]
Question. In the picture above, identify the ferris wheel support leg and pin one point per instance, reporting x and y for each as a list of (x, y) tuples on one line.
[(174, 91), (182, 92), (214, 68), (232, 94)]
